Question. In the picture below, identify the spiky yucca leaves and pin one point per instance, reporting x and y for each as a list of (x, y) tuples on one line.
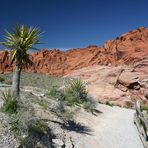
[(78, 88), (20, 40), (10, 105)]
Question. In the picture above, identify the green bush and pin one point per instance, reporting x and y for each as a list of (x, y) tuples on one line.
[(16, 125), (10, 104), (53, 92), (27, 142), (41, 103), (2, 79), (39, 127), (90, 105), (70, 99), (56, 93), (74, 93)]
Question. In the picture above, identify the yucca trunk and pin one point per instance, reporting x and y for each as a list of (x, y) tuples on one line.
[(16, 82)]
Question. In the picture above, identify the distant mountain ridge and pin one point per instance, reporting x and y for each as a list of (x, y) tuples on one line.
[(130, 48)]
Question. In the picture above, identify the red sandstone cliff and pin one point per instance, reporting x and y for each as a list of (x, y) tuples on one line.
[(129, 48)]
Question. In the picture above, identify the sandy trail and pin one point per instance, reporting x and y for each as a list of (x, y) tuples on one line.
[(114, 128)]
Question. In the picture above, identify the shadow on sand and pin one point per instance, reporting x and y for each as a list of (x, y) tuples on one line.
[(73, 126), (77, 127)]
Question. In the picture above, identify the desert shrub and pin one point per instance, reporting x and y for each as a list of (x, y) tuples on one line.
[(35, 130), (38, 126), (74, 93), (41, 103), (27, 142), (19, 121), (144, 107), (2, 79), (16, 126), (27, 128), (70, 99), (10, 104), (90, 105), (56, 93), (53, 91)]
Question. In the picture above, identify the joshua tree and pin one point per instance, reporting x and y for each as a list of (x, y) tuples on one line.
[(20, 40)]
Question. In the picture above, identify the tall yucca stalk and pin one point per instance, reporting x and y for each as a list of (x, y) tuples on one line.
[(20, 39)]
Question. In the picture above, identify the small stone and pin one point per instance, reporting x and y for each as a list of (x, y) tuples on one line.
[(58, 142)]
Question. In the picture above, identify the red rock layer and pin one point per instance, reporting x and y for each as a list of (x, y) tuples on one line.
[(130, 49)]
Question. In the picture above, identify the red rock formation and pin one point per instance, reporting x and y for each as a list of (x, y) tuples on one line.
[(119, 85), (130, 48)]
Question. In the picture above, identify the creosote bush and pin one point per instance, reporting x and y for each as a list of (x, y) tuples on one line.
[(10, 104)]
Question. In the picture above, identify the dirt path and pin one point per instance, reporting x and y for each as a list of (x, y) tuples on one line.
[(114, 128)]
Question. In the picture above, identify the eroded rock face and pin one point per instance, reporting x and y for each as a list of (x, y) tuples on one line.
[(130, 49), (119, 85)]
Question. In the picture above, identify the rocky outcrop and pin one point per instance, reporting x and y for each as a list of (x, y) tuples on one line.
[(130, 49), (118, 85)]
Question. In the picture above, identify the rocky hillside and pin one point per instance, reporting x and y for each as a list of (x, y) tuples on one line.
[(129, 48), (115, 85)]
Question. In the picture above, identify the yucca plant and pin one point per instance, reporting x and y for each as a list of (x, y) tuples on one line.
[(10, 104), (78, 89), (20, 39)]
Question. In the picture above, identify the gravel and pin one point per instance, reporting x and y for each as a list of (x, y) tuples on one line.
[(7, 140)]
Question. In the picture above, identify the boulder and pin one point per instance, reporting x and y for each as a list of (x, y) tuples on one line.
[(129, 80)]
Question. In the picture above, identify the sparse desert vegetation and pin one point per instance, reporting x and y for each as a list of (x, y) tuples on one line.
[(36, 80), (74, 93), (30, 118)]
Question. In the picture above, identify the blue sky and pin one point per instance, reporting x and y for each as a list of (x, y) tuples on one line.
[(75, 23)]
